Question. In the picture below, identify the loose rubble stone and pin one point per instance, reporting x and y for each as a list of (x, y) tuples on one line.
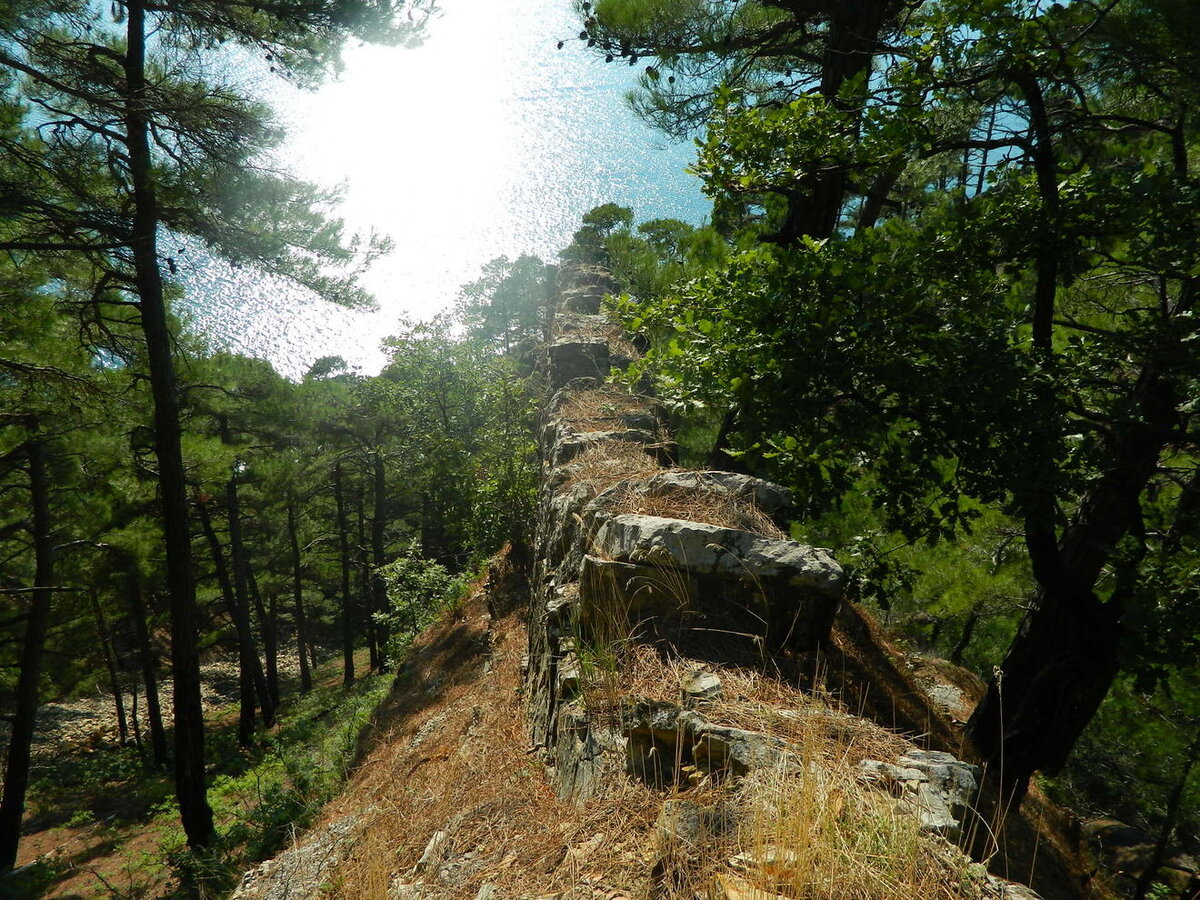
[(732, 887), (700, 687), (435, 852), (771, 864), (299, 872), (932, 785), (683, 826)]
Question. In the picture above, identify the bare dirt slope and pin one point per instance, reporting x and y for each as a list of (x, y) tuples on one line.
[(450, 757)]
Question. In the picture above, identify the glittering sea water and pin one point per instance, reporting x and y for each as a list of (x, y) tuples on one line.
[(484, 141)]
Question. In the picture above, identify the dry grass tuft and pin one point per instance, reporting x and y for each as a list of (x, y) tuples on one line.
[(592, 328), (608, 463), (710, 506), (756, 701), (822, 834), (599, 408)]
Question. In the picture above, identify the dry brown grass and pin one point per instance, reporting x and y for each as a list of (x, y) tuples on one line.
[(593, 328), (814, 834), (599, 408), (454, 758), (757, 701), (607, 463), (822, 834), (459, 762), (710, 506)]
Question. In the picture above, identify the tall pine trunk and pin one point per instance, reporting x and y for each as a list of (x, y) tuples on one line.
[(251, 681), (109, 652), (241, 593), (378, 524), (268, 624), (146, 660), (298, 600), (343, 527), (195, 813), (16, 774), (364, 584)]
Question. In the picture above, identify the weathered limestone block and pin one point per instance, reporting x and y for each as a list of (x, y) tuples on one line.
[(584, 298), (796, 587), (718, 748), (663, 741), (551, 630), (933, 786), (577, 357), (582, 755), (563, 522), (1002, 889), (698, 687), (588, 274), (616, 597), (703, 548)]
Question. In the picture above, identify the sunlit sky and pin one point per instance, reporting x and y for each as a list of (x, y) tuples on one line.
[(485, 140)]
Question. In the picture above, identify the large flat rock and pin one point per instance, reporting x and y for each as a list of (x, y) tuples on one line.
[(711, 549)]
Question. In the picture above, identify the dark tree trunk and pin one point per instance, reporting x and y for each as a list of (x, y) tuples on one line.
[(246, 706), (298, 601), (343, 528), (110, 664), (147, 661), (876, 198), (241, 594), (814, 204), (268, 625), (378, 524), (195, 813), (250, 677), (964, 639), (272, 645), (719, 456), (1057, 671), (16, 774), (364, 584), (1064, 658), (133, 715)]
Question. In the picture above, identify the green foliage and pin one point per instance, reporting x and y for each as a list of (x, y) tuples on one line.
[(505, 308), (1143, 738), (265, 796), (967, 338), (418, 589)]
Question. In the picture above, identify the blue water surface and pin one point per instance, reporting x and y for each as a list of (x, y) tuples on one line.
[(484, 141)]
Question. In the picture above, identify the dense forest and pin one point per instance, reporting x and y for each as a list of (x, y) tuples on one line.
[(946, 295)]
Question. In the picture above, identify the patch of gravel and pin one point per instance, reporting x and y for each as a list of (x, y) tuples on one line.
[(90, 721), (300, 871)]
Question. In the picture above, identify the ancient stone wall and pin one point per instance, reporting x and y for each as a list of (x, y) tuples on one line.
[(629, 548)]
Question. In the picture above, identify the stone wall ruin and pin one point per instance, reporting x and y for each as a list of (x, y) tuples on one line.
[(630, 550)]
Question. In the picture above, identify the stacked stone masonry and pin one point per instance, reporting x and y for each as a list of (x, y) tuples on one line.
[(604, 574)]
